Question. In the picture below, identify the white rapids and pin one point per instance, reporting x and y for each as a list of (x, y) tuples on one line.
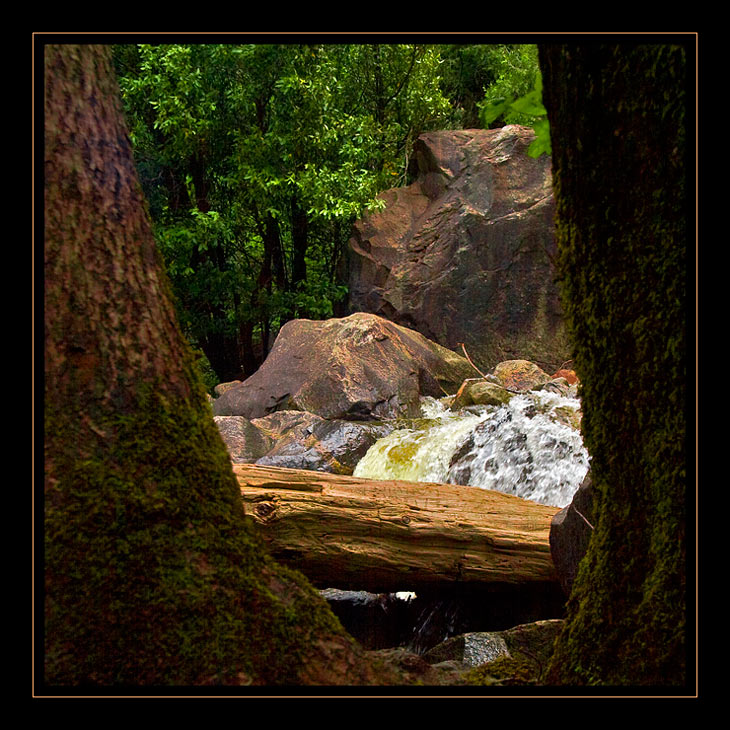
[(527, 448)]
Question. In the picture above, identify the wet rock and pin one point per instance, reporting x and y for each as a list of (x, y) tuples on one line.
[(480, 393), (559, 386), (471, 649), (332, 446), (530, 642)]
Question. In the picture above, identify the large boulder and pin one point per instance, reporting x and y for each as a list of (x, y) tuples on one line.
[(465, 253), (360, 367)]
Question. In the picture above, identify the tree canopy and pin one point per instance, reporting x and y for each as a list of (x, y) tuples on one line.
[(256, 159)]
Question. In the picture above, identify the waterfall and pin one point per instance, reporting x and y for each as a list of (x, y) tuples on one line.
[(531, 447)]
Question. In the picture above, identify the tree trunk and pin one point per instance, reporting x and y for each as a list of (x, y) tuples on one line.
[(225, 353), (389, 536), (617, 119), (152, 573), (300, 241)]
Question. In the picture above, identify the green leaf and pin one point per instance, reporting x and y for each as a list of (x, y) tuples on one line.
[(541, 144), (492, 110), (530, 104)]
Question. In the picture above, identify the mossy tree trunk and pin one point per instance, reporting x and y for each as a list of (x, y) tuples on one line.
[(617, 118), (152, 572)]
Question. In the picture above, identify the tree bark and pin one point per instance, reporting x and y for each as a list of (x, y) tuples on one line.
[(300, 242), (153, 575), (618, 127), (388, 536)]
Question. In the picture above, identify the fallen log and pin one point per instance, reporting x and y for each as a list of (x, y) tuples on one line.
[(386, 536)]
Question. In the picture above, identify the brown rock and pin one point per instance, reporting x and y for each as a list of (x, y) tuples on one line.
[(520, 375), (480, 392), (569, 375), (244, 441), (360, 367), (465, 253), (570, 532)]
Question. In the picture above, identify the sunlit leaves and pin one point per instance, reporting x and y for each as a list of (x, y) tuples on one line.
[(526, 108), (232, 140), (541, 144)]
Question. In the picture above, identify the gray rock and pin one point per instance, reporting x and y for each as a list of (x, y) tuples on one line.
[(244, 441), (472, 649), (330, 446)]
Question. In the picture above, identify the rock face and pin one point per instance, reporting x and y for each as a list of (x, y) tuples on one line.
[(360, 367), (464, 254), (570, 532)]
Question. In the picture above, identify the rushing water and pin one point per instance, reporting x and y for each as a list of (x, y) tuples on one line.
[(530, 447)]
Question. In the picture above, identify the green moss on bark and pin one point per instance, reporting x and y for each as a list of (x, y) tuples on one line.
[(618, 127), (154, 575)]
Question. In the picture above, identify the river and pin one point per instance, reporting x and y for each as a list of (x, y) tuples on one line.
[(531, 447)]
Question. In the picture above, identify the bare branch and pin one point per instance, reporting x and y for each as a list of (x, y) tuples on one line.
[(466, 355)]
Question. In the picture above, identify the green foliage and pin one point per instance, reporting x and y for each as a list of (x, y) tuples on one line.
[(516, 97), (466, 71), (516, 73), (256, 159)]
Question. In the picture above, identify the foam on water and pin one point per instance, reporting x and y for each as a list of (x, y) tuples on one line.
[(526, 448), (422, 453)]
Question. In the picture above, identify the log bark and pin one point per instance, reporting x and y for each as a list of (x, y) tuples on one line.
[(382, 536)]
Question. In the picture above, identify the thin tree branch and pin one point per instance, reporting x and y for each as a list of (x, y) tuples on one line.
[(583, 517), (466, 355)]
